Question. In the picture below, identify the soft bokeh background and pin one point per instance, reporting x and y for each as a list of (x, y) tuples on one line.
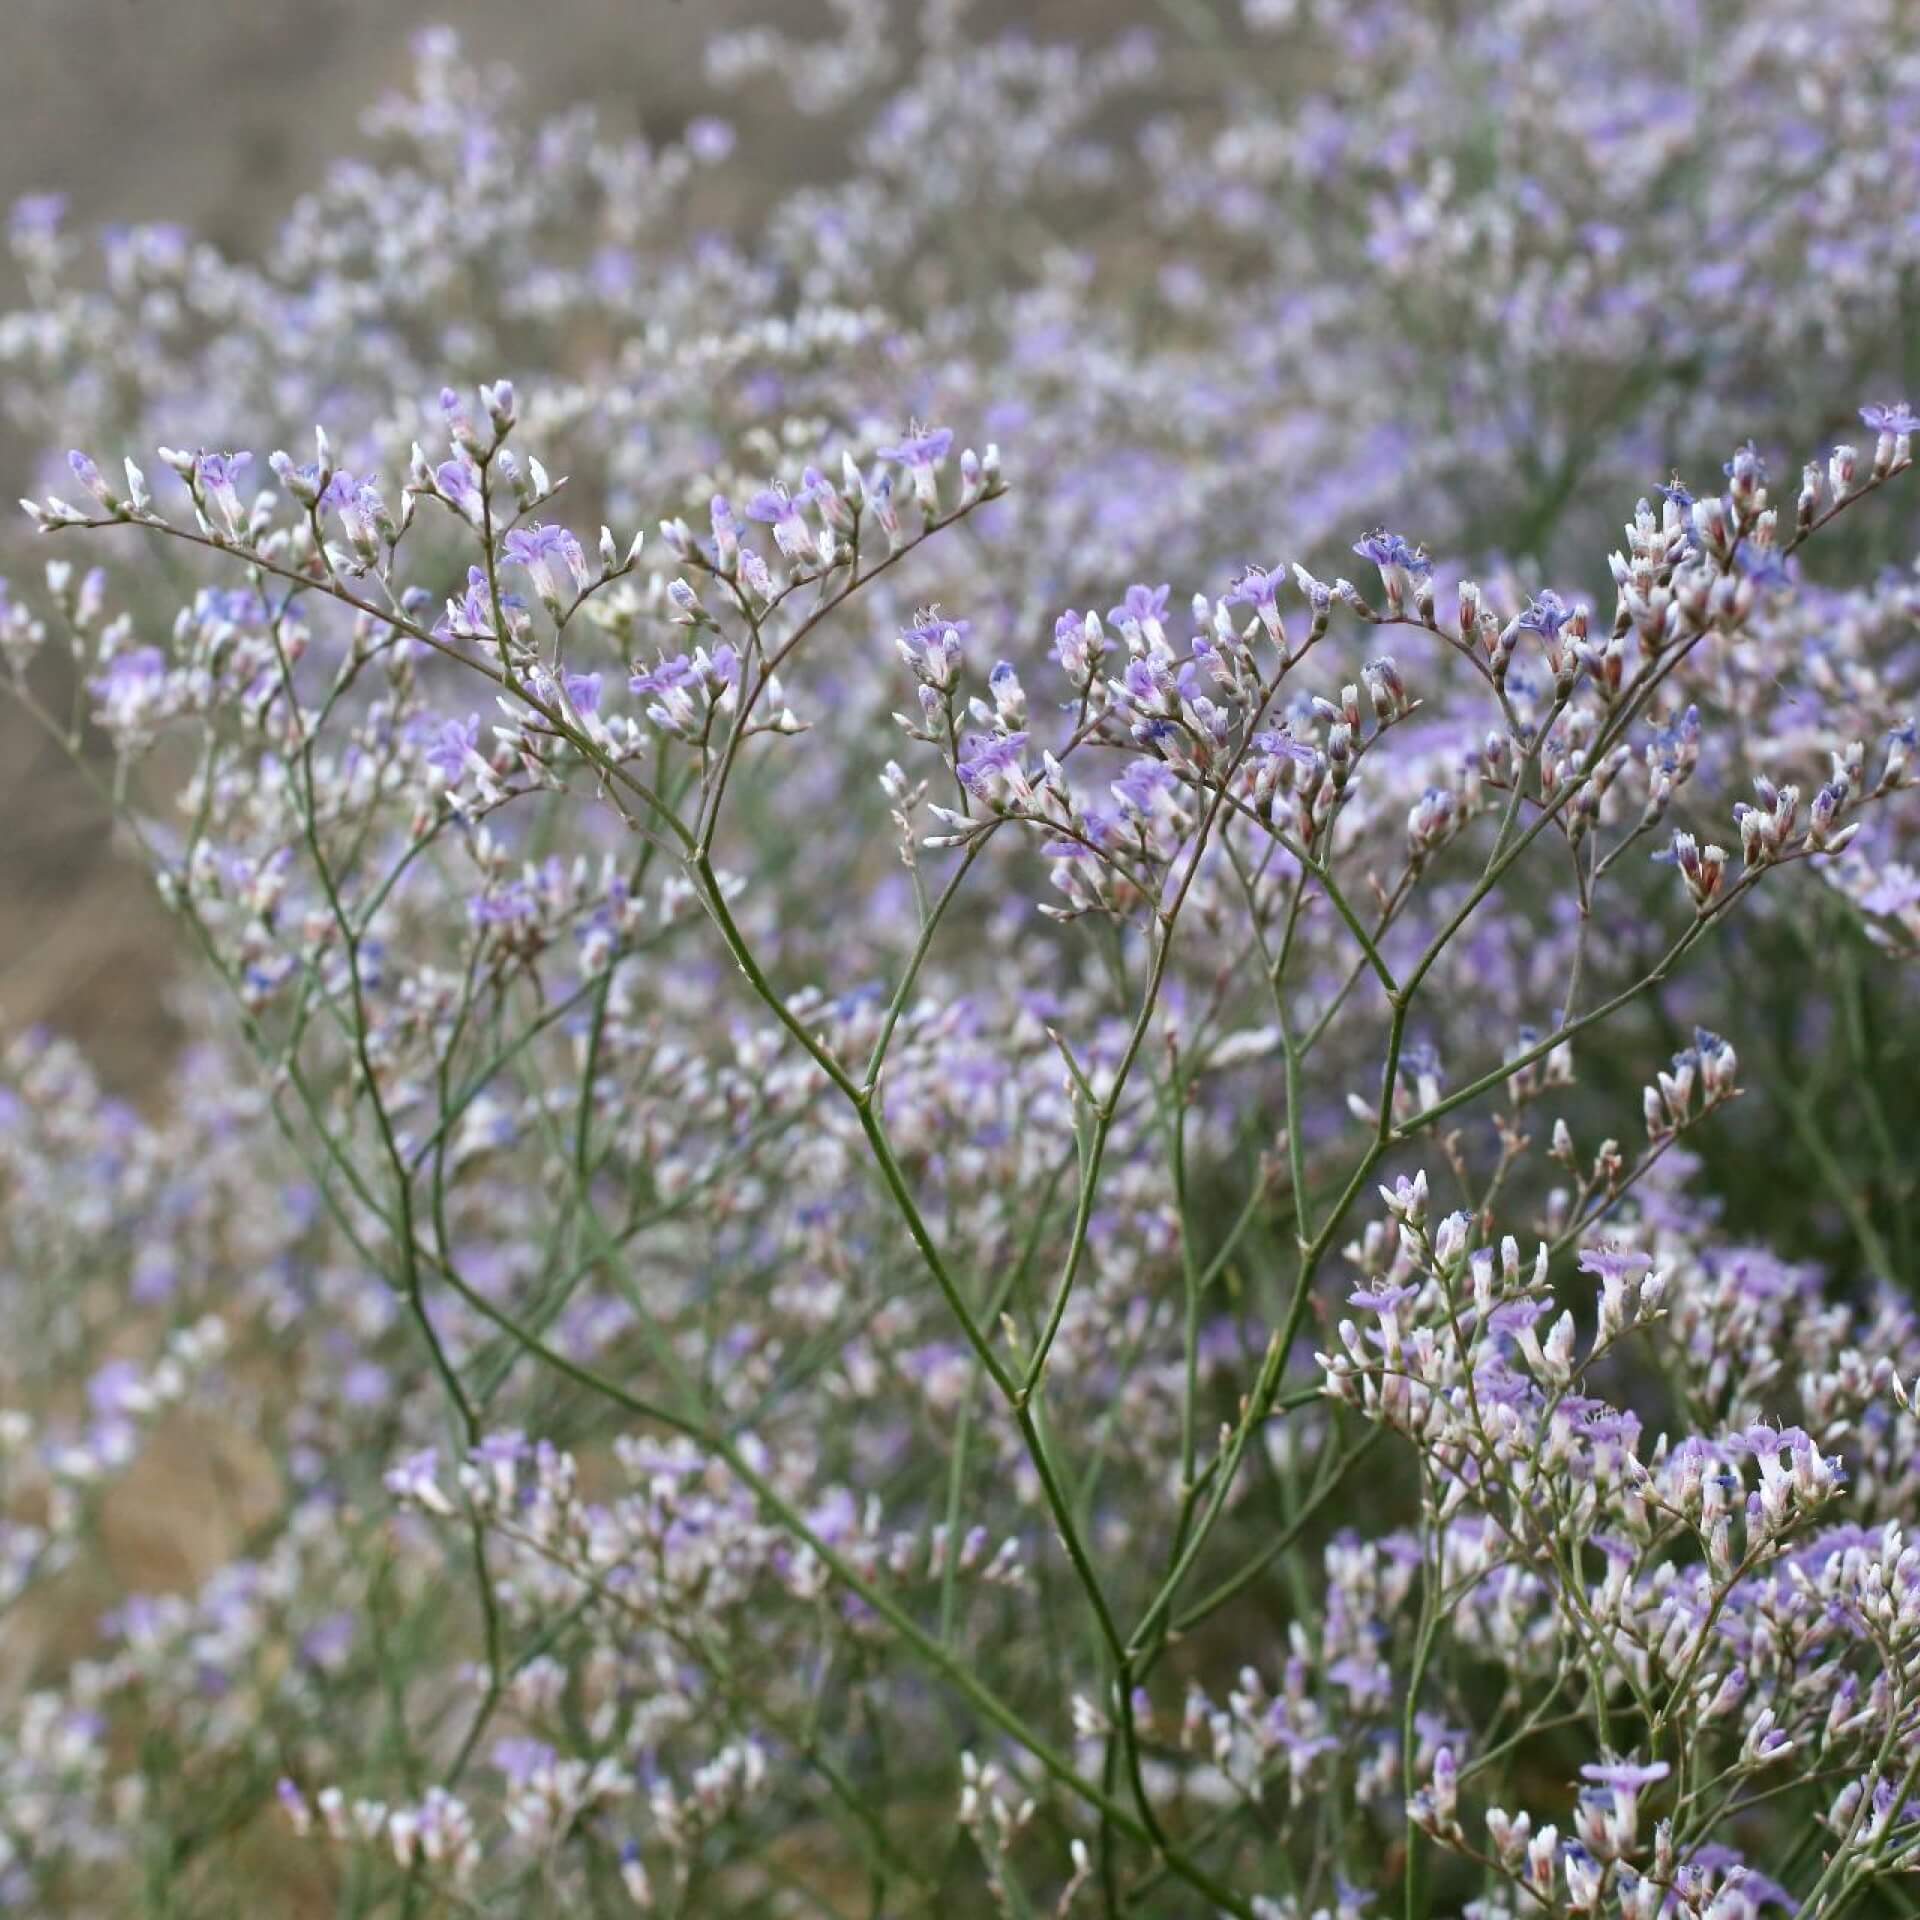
[(214, 113)]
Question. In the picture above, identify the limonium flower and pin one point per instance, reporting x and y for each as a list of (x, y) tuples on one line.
[(881, 1176)]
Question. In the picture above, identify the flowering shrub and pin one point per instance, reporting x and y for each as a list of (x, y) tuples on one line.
[(800, 1264)]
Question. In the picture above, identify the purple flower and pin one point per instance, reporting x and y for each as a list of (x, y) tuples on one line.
[(1546, 614), (920, 452), (1897, 418), (1615, 1263), (218, 477), (1257, 587), (415, 1479), (449, 750), (510, 905), (1766, 567), (135, 670), (1143, 783), (931, 626), (500, 1452), (670, 676), (220, 469), (117, 1389), (1144, 606), (776, 507), (923, 447), (1895, 890), (88, 474), (1389, 550), (36, 216), (472, 613), (988, 763), (520, 1758), (1382, 1300), (459, 484), (932, 649), (362, 512), (540, 550), (339, 492), (328, 1644), (1516, 1316), (709, 140), (1279, 744), (1625, 1776)]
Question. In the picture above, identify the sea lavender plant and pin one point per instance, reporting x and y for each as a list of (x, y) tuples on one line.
[(802, 1264)]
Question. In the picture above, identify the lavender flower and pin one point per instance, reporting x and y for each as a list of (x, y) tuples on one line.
[(921, 452), (541, 550)]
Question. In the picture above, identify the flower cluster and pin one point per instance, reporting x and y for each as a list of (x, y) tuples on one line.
[(762, 1264)]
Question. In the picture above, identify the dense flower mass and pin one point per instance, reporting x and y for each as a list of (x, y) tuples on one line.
[(947, 1149)]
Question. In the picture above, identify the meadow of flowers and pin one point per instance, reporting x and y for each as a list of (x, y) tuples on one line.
[(1053, 1047)]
